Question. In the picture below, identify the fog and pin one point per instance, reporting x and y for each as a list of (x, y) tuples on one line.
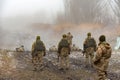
[(22, 20)]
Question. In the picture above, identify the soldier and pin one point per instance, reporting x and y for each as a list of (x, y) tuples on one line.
[(89, 48), (101, 59), (64, 51), (38, 51), (20, 49), (69, 38)]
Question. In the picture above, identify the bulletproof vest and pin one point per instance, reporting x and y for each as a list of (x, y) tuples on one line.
[(64, 43), (39, 46), (90, 43)]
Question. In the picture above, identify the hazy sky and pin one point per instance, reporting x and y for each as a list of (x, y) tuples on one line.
[(19, 13), (21, 7)]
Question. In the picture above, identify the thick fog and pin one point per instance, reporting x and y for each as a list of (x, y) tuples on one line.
[(22, 20)]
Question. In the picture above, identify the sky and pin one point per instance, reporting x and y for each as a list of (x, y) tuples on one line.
[(22, 7), (24, 12)]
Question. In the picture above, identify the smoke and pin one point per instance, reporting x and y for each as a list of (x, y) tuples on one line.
[(78, 17), (52, 34)]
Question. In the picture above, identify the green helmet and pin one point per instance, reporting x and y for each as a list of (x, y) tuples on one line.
[(102, 38), (38, 38), (89, 34), (64, 36)]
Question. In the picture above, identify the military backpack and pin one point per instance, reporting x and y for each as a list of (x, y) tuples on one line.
[(39, 46), (90, 43), (64, 43)]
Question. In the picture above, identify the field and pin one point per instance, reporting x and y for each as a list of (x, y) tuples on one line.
[(18, 66)]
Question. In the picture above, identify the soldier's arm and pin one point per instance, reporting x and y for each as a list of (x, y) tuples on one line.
[(44, 49), (33, 45), (95, 47), (33, 49), (84, 45), (44, 46), (71, 36), (59, 47), (98, 54), (107, 46)]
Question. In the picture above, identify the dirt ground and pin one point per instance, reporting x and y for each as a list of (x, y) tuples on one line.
[(18, 66)]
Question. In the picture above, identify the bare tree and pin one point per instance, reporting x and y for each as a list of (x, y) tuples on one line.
[(96, 11), (108, 11)]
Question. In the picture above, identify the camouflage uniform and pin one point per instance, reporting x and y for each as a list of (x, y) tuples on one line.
[(89, 50), (37, 56), (63, 53), (69, 38), (101, 60)]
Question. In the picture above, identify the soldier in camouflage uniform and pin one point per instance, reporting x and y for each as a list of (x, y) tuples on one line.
[(101, 59), (64, 51), (89, 49), (69, 38), (20, 49), (38, 51)]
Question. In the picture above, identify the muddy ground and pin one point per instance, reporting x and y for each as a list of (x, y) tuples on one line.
[(18, 66)]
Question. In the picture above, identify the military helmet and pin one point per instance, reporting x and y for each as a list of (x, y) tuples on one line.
[(38, 38), (68, 32), (102, 38), (64, 36), (89, 34)]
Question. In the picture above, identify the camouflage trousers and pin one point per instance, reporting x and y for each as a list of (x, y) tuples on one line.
[(64, 58), (37, 60), (64, 62), (101, 69), (89, 56)]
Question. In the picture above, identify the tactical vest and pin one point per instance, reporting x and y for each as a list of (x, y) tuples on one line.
[(64, 43), (90, 42), (39, 46)]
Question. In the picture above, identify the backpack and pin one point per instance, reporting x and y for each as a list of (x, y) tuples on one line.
[(90, 43), (39, 46), (64, 43)]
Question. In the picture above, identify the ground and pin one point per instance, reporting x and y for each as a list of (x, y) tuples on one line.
[(18, 66)]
